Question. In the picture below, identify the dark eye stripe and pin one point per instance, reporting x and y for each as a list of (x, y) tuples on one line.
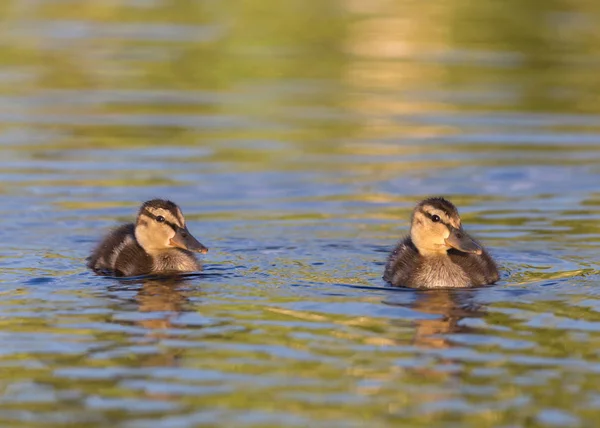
[(430, 217), (167, 222)]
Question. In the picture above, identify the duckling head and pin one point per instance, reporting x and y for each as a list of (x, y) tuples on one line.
[(161, 226), (436, 228)]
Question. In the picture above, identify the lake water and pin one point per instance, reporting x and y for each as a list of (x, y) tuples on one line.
[(297, 136)]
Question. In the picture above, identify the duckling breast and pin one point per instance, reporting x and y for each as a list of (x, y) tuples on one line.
[(176, 260), (440, 272)]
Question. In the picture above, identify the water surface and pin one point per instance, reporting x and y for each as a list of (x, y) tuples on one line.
[(297, 137)]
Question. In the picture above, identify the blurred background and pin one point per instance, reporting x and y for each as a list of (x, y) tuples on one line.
[(297, 136)]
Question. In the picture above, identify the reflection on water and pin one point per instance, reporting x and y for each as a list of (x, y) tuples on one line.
[(297, 137), (162, 297), (451, 308)]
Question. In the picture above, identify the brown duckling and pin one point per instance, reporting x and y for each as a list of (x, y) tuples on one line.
[(158, 242), (438, 252)]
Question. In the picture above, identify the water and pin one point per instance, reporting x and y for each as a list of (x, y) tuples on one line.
[(297, 136)]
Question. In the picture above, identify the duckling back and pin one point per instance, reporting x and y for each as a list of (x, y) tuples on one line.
[(120, 254)]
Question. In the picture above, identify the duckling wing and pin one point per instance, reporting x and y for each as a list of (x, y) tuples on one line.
[(132, 260), (481, 269), (110, 249), (402, 264), (101, 257)]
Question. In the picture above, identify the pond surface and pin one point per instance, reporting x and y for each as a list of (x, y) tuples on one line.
[(297, 136)]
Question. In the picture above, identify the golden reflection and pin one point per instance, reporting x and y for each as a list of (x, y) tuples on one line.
[(451, 307), (163, 296), (164, 299), (159, 301)]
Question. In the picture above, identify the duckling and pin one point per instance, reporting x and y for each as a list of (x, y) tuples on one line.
[(438, 252), (159, 241)]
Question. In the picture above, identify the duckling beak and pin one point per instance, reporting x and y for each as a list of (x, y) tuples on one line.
[(459, 240), (184, 239)]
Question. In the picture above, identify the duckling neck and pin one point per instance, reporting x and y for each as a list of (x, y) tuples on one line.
[(433, 252)]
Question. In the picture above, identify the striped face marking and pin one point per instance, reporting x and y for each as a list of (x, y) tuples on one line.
[(432, 224), (436, 227), (158, 225), (161, 226), (173, 220), (434, 214)]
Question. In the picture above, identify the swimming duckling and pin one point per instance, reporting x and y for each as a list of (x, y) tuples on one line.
[(159, 241), (438, 252)]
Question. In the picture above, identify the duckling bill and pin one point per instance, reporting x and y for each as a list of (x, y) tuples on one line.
[(438, 252), (158, 242)]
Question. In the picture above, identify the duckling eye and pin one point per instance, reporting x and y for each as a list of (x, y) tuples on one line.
[(160, 219), (435, 218)]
